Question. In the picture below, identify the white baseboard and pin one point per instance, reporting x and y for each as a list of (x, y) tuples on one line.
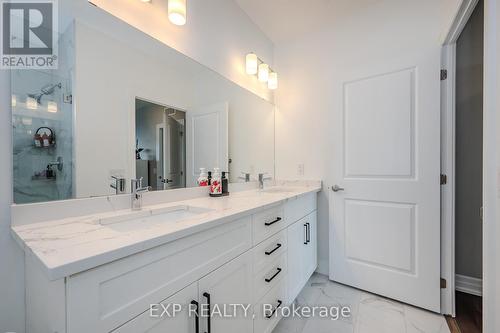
[(469, 285)]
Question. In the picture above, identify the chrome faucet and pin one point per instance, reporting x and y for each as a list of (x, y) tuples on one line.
[(118, 184), (137, 192), (262, 178), (245, 176)]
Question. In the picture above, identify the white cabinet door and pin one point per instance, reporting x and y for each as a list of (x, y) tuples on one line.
[(297, 245), (311, 249), (156, 321), (230, 284)]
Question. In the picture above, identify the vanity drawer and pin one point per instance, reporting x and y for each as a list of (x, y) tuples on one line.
[(267, 223), (297, 208), (106, 297), (269, 276), (270, 249), (275, 297)]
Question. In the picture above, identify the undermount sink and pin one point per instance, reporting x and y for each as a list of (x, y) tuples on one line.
[(279, 189), (157, 215)]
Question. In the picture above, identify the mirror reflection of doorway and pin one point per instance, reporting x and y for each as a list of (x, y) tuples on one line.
[(160, 145)]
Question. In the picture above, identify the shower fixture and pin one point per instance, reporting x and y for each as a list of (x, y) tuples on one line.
[(48, 89)]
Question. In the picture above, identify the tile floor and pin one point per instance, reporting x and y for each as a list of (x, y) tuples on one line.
[(369, 313)]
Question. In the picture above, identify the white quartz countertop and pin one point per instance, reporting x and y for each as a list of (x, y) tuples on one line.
[(69, 246)]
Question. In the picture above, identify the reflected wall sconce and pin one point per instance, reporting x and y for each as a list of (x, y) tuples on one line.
[(52, 107), (14, 101), (31, 103), (255, 66)]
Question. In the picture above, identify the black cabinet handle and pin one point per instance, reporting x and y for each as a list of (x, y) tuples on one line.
[(268, 253), (273, 222), (197, 316), (305, 234), (275, 309), (207, 296), (275, 275), (308, 233)]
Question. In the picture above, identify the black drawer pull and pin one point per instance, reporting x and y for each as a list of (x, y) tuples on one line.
[(197, 316), (273, 222), (268, 253), (209, 326), (308, 233), (275, 275), (305, 234), (275, 309)]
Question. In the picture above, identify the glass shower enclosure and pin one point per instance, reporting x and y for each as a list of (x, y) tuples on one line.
[(42, 126)]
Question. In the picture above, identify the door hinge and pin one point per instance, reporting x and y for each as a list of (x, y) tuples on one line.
[(444, 74), (443, 283), (444, 179)]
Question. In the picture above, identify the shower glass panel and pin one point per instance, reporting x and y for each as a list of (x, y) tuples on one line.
[(42, 122)]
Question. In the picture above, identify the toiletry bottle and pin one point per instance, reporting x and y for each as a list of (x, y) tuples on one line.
[(38, 140), (45, 140), (216, 186), (203, 178), (225, 184), (210, 178)]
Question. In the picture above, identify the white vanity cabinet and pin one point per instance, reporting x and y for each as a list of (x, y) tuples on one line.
[(229, 284), (265, 257), (302, 253)]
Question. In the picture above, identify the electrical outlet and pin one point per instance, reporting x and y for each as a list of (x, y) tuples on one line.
[(300, 169)]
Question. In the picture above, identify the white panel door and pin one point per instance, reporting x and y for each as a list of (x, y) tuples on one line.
[(207, 140), (385, 231)]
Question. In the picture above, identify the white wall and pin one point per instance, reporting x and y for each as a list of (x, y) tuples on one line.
[(491, 170), (206, 38), (314, 67), (217, 34)]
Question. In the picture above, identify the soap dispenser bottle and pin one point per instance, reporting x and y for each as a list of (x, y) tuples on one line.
[(225, 184), (203, 178), (216, 186)]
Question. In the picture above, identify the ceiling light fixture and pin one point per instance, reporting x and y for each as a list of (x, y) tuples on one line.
[(177, 11)]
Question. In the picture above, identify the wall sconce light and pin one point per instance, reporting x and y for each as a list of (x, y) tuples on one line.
[(272, 83), (263, 72), (255, 66), (31, 103), (177, 11), (252, 64), (14, 101), (52, 107)]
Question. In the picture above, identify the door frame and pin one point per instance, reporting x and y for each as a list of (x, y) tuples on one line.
[(448, 152)]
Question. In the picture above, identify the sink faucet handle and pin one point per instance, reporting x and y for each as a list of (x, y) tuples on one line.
[(245, 176)]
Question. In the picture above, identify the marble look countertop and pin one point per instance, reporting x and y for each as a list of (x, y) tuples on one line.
[(73, 245)]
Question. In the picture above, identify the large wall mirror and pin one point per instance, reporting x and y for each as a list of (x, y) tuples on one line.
[(122, 105)]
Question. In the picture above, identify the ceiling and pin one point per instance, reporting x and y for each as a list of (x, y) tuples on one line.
[(285, 20)]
